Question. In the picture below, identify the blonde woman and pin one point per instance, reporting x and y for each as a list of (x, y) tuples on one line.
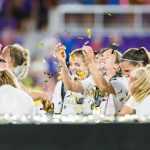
[(113, 85), (17, 56), (67, 102), (140, 90), (13, 100)]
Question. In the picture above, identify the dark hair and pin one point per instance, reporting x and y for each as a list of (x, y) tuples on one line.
[(135, 55)]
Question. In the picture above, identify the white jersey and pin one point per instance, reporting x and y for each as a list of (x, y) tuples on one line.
[(15, 101), (111, 104), (70, 104), (131, 103), (143, 108)]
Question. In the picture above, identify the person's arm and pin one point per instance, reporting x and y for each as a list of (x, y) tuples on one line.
[(69, 84), (129, 107), (100, 81), (36, 95), (126, 110)]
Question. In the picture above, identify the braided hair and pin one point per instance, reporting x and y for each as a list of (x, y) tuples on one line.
[(20, 57)]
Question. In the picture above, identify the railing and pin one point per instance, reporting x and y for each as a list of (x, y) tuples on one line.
[(101, 19)]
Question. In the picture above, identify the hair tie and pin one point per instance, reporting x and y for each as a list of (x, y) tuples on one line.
[(142, 49), (114, 47)]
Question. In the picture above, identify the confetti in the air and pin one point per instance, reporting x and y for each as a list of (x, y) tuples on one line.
[(80, 38), (86, 43), (89, 33)]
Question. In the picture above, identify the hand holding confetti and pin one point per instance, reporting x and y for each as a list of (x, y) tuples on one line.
[(61, 55)]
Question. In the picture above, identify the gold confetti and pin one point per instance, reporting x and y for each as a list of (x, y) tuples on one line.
[(95, 108), (80, 73), (72, 57), (59, 77), (89, 32), (80, 38), (91, 92)]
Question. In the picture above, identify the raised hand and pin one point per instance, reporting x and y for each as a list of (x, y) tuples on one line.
[(88, 54), (60, 53)]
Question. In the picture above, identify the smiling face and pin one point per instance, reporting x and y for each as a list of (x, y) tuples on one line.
[(127, 68), (78, 65), (108, 59)]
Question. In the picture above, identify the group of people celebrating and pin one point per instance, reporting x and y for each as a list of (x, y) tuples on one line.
[(107, 81), (111, 82)]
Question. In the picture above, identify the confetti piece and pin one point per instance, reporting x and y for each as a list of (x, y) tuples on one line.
[(95, 108), (41, 44), (86, 43), (91, 93), (59, 77), (80, 73), (89, 32), (72, 57), (80, 38)]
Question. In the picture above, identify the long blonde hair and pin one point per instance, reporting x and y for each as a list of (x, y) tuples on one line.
[(140, 87), (20, 57), (7, 77)]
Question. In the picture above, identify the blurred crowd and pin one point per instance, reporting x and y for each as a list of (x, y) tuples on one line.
[(26, 22)]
